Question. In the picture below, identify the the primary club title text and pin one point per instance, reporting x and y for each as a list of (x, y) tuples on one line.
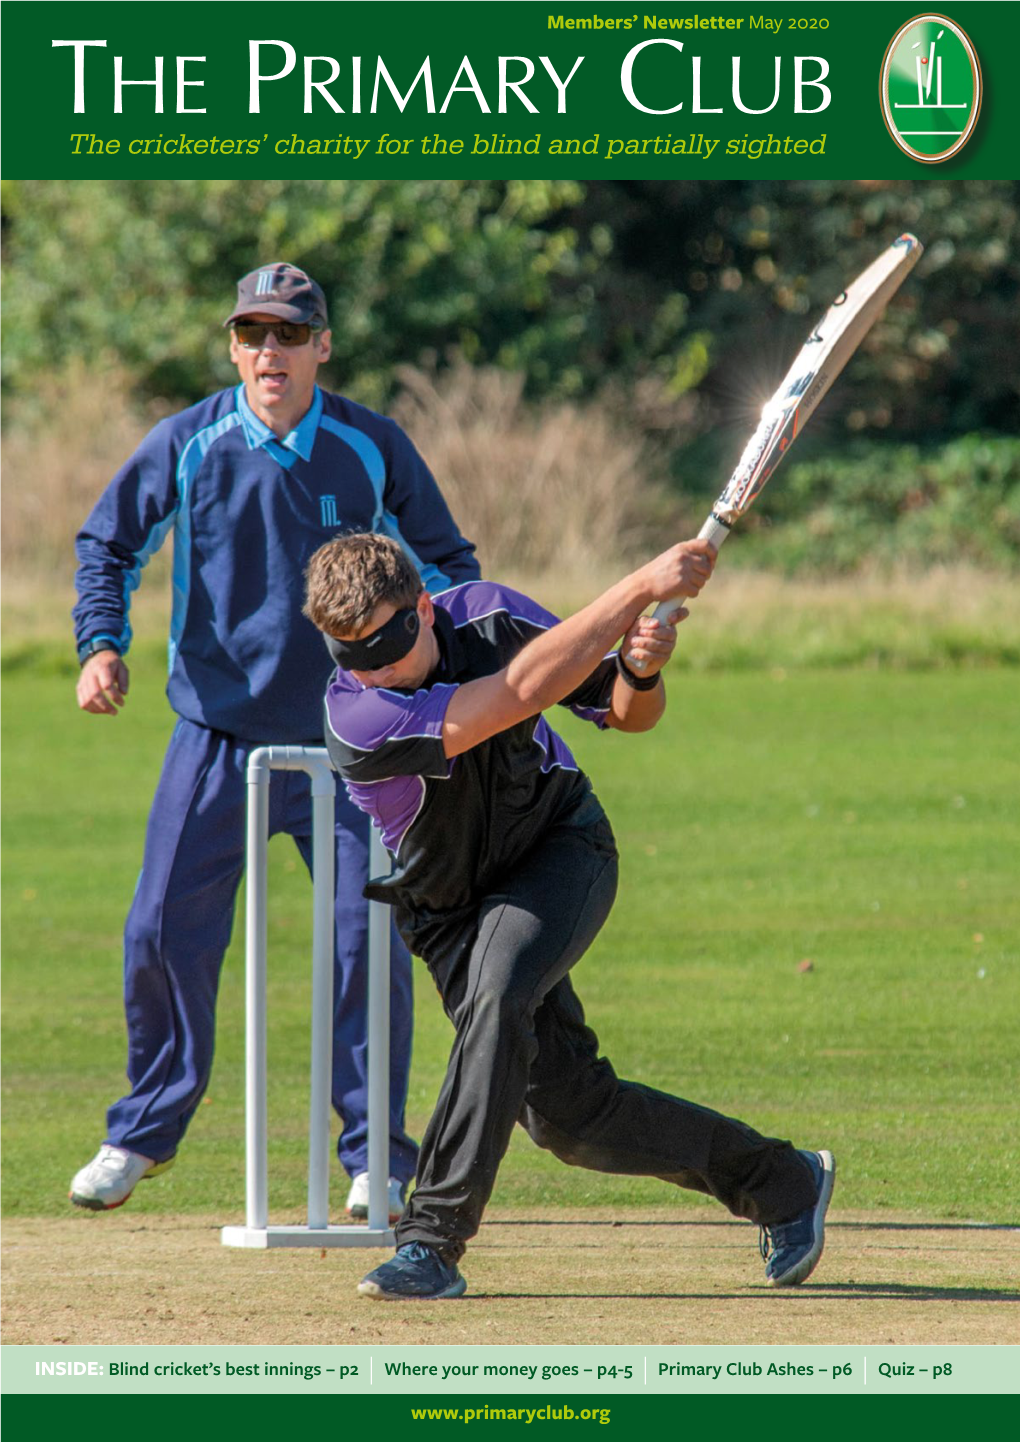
[(502, 85)]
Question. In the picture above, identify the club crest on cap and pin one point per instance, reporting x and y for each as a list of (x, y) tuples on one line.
[(281, 290)]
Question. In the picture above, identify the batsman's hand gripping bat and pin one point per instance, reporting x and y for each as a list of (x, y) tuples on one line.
[(823, 355)]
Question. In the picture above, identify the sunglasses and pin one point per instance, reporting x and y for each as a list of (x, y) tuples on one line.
[(252, 333)]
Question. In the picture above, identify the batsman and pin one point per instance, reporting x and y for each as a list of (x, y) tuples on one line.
[(505, 870)]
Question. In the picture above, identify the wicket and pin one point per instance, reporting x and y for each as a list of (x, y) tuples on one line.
[(317, 1232)]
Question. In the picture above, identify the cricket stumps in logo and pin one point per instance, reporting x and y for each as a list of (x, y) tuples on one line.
[(930, 88)]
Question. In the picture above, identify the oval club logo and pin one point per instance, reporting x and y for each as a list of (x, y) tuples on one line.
[(930, 88)]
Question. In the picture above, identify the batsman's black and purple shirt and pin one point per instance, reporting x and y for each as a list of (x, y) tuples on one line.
[(455, 826)]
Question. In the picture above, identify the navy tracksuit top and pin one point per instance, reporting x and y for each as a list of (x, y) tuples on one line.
[(247, 511)]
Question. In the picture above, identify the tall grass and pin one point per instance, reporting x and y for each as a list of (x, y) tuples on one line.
[(555, 488), (559, 498), (61, 447)]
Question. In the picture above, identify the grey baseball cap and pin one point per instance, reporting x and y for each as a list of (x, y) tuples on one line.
[(281, 290)]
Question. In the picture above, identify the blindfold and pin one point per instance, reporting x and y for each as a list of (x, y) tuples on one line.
[(390, 643)]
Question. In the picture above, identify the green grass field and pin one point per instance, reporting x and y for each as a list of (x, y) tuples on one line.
[(866, 821)]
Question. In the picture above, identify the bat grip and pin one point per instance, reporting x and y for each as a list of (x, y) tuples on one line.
[(713, 530)]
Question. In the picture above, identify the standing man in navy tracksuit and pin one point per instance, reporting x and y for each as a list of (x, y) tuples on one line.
[(251, 482)]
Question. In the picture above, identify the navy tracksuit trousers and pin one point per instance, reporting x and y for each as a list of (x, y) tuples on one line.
[(177, 933)]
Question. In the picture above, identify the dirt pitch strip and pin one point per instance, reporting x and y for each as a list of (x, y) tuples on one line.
[(642, 1278)]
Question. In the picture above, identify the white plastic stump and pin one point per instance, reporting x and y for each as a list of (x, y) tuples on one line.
[(317, 1232)]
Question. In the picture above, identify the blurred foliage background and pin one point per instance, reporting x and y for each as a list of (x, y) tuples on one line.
[(580, 363)]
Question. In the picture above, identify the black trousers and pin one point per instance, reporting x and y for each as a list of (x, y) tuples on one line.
[(523, 1053)]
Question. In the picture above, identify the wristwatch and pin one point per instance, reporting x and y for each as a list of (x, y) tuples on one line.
[(92, 646)]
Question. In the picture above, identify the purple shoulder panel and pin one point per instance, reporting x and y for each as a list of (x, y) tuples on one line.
[(365, 718), (475, 600)]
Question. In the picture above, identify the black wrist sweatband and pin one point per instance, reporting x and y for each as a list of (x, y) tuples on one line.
[(636, 683)]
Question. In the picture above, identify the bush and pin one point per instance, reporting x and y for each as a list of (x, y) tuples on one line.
[(894, 507), (142, 274)]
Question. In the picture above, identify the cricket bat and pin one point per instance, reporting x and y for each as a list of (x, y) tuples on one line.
[(822, 356)]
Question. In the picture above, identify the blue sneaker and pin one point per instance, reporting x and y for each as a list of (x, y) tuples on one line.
[(416, 1273), (792, 1249)]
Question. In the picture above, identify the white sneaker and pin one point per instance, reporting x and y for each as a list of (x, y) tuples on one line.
[(357, 1199), (111, 1176)]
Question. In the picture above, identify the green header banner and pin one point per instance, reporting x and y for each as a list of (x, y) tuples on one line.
[(187, 90)]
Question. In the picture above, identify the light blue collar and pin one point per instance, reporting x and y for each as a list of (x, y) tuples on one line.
[(300, 440)]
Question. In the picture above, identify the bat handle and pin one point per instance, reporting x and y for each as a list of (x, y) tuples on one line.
[(665, 609), (713, 530)]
